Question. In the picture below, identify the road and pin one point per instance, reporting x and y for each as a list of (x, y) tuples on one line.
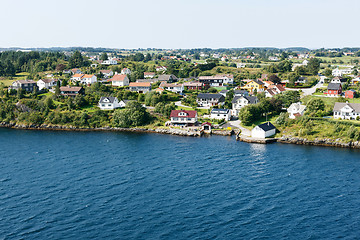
[(307, 91), (236, 123)]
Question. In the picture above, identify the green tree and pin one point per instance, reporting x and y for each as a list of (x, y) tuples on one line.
[(76, 60), (104, 56), (134, 114), (313, 66)]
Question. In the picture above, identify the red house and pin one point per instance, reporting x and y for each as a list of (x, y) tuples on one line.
[(350, 94), (334, 89), (194, 85)]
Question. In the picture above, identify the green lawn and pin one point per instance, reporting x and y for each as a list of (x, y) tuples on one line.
[(8, 80)]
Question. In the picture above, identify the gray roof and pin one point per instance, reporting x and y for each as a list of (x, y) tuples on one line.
[(110, 99), (167, 77), (251, 99), (334, 86), (242, 92), (224, 91), (339, 105), (211, 95), (219, 111), (267, 126)]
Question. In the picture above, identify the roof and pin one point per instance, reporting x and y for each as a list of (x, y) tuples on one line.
[(251, 99), (298, 107), (164, 84), (243, 92), (219, 111), (334, 86), (25, 81), (339, 105), (218, 76), (149, 73), (189, 113), (341, 79), (49, 80), (69, 88), (105, 71), (258, 82), (266, 126), (87, 76), (118, 78), (166, 77), (78, 75), (271, 91), (209, 95), (109, 99), (193, 84), (140, 84)]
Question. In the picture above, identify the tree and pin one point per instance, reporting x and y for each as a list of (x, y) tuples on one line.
[(315, 107), (249, 114), (139, 57), (104, 56), (274, 78), (76, 60), (196, 56), (313, 66), (134, 114)]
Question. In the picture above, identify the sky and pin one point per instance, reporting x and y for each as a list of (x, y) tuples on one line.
[(175, 24)]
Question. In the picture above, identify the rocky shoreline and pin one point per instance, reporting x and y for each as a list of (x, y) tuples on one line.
[(171, 131), (189, 133)]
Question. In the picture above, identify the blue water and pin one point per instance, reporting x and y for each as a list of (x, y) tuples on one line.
[(105, 185)]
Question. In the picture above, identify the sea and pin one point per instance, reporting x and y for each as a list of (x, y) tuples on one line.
[(116, 185)]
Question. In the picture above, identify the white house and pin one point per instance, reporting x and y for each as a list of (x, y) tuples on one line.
[(107, 73), (218, 113), (346, 110), (149, 74), (209, 99), (340, 80), (46, 83), (263, 130), (172, 87), (108, 103), (296, 109), (109, 62), (119, 80), (126, 71), (88, 79), (340, 72), (183, 117), (239, 102)]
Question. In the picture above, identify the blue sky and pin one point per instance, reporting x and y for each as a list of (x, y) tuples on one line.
[(180, 23)]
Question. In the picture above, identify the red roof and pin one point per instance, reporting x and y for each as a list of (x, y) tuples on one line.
[(189, 113), (140, 84), (118, 77)]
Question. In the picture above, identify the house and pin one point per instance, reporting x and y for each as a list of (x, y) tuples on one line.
[(159, 90), (209, 99), (88, 79), (206, 126), (350, 94), (140, 87), (109, 62), (268, 83), (119, 80), (172, 87), (253, 85), (340, 80), (170, 78), (301, 80), (149, 74), (272, 90), (340, 72), (217, 80), (71, 91), (107, 73), (355, 80), (263, 130), (126, 71), (240, 92), (75, 71), (77, 77), (270, 93), (239, 102), (218, 113), (334, 90), (46, 83), (161, 68), (224, 92), (150, 80), (346, 110), (296, 110), (27, 85), (194, 86), (183, 117), (109, 103)]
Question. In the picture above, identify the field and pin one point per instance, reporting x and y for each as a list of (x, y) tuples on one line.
[(8, 81)]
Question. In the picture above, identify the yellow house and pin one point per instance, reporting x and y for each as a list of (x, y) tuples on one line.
[(254, 84)]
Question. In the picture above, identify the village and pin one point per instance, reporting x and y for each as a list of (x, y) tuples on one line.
[(254, 107)]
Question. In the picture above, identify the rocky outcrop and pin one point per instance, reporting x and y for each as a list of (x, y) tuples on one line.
[(173, 131), (319, 142), (222, 132)]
